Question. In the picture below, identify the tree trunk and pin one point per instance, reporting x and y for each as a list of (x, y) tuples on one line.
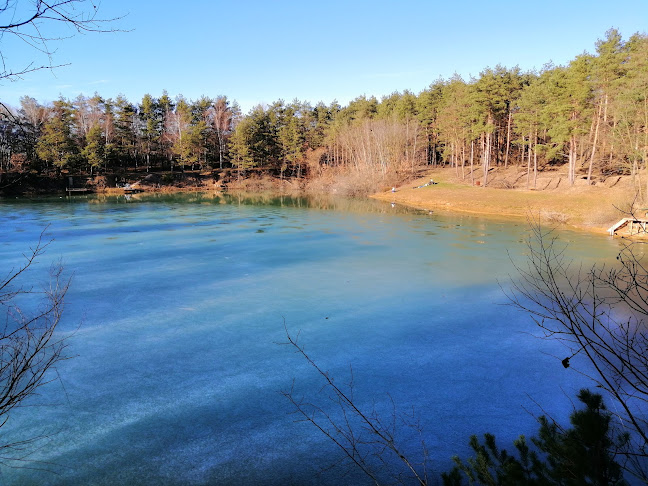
[(596, 132), (508, 140), (427, 145), (572, 160), (486, 157), (434, 158), (416, 130), (407, 140), (472, 154), (535, 159), (529, 164), (463, 160)]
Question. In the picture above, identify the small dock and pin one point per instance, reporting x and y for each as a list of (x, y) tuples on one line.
[(77, 190), (131, 189), (70, 189), (633, 225)]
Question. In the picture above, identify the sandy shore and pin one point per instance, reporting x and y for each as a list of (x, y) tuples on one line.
[(586, 207)]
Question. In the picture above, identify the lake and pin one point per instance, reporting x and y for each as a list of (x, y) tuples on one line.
[(178, 305)]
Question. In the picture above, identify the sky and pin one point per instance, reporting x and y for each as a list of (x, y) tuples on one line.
[(257, 52)]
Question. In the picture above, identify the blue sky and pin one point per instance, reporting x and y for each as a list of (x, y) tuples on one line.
[(261, 51)]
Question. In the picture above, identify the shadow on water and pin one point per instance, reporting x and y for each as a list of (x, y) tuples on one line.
[(177, 375)]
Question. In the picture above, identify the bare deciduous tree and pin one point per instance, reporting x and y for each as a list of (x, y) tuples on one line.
[(40, 23), (599, 314), (29, 346)]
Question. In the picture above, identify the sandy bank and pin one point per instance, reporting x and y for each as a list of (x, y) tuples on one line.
[(593, 208)]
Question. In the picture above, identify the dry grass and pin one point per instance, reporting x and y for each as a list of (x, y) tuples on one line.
[(264, 184), (351, 183), (554, 217), (592, 207)]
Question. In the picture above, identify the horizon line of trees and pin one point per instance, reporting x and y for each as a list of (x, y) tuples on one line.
[(590, 115)]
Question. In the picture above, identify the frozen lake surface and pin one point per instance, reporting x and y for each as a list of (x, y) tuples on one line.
[(178, 302)]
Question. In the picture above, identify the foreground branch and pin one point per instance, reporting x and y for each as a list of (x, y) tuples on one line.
[(29, 345), (38, 23), (366, 440), (599, 314)]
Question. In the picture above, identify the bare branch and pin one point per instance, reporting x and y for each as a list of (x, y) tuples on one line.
[(363, 436), (599, 314), (38, 24), (30, 348)]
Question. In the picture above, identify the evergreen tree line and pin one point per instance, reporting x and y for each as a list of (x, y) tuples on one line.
[(590, 115)]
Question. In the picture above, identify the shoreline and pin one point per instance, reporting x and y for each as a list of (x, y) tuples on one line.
[(592, 209)]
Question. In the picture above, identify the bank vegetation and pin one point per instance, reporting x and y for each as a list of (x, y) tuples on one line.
[(589, 117)]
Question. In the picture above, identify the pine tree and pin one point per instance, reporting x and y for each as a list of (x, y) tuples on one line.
[(630, 108), (241, 145), (94, 150), (125, 136), (150, 130), (455, 120), (429, 102), (530, 123), (56, 146), (569, 107), (584, 454)]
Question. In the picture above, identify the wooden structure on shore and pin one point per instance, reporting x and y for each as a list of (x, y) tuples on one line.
[(70, 189), (77, 190), (633, 225), (128, 189)]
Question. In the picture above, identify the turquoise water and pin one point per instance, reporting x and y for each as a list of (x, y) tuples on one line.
[(177, 305)]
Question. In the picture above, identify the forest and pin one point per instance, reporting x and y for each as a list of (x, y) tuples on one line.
[(589, 117)]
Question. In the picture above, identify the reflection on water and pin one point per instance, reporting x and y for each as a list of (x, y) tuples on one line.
[(248, 199), (182, 299)]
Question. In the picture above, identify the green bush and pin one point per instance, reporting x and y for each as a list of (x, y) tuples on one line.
[(584, 454)]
